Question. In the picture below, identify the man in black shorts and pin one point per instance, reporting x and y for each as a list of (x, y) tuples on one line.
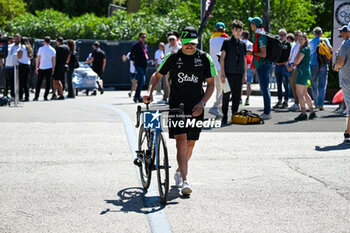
[(62, 59), (98, 60), (189, 68)]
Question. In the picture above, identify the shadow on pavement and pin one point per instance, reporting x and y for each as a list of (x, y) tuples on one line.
[(333, 116), (134, 199), (131, 103), (286, 122), (341, 146)]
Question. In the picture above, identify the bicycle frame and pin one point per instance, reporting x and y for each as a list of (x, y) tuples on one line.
[(157, 130)]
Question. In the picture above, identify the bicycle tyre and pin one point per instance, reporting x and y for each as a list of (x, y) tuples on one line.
[(145, 168), (163, 170)]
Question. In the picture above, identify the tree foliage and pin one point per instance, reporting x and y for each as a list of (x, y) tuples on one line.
[(10, 9), (158, 17), (121, 26), (323, 10), (71, 7)]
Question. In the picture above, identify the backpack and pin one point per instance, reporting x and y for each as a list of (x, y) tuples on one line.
[(274, 46), (245, 117), (4, 101), (323, 54)]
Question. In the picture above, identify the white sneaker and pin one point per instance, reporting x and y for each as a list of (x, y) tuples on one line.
[(265, 116), (215, 112), (345, 112), (340, 111), (178, 179), (159, 93), (186, 188), (162, 102), (294, 107)]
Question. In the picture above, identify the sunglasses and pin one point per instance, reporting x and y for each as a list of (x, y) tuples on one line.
[(194, 44), (143, 37), (171, 39), (282, 34)]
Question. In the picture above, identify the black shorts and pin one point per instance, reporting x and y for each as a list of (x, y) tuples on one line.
[(99, 73), (58, 74), (188, 126)]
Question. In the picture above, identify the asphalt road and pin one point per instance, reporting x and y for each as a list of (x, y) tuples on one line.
[(66, 166)]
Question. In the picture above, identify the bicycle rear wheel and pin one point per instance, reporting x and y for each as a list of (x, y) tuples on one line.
[(146, 162), (163, 169)]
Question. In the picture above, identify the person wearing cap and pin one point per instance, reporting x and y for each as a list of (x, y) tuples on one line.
[(343, 63), (261, 64), (189, 68), (215, 44), (319, 72), (344, 35), (171, 47), (233, 68)]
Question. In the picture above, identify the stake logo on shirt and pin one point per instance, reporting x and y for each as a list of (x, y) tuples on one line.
[(185, 78)]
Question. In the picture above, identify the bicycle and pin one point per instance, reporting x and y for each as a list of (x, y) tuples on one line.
[(152, 153)]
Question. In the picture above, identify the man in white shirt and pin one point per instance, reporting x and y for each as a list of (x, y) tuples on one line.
[(215, 45), (132, 70), (11, 62), (293, 53), (45, 67), (171, 47), (158, 59)]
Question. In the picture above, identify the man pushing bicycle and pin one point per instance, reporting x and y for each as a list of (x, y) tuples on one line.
[(189, 68)]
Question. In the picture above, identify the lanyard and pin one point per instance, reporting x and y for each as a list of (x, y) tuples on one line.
[(144, 50)]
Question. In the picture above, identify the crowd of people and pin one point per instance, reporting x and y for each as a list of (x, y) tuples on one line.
[(55, 66), (237, 60)]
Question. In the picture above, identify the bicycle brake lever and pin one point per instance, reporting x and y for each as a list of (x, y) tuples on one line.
[(182, 107), (138, 116)]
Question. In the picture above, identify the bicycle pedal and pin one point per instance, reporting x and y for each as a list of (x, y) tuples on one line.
[(139, 152), (137, 162)]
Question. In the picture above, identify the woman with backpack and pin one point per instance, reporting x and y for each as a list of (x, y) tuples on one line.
[(302, 63), (25, 55), (73, 64)]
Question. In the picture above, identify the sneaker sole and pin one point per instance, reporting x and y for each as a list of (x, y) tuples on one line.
[(215, 114), (186, 191)]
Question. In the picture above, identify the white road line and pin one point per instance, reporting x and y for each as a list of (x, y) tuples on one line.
[(156, 219)]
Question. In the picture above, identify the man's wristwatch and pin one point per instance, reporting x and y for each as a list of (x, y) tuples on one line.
[(202, 102)]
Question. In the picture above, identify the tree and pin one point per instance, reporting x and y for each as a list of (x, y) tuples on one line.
[(72, 7), (10, 9), (322, 8)]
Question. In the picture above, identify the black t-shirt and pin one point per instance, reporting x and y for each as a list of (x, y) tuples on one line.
[(235, 55), (62, 53), (187, 75), (98, 55), (286, 47)]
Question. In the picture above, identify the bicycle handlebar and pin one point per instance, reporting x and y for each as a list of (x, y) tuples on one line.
[(179, 110)]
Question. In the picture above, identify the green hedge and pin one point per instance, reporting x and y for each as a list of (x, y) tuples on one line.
[(121, 26)]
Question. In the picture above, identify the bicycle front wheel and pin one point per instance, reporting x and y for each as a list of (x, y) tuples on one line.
[(163, 169), (146, 162)]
